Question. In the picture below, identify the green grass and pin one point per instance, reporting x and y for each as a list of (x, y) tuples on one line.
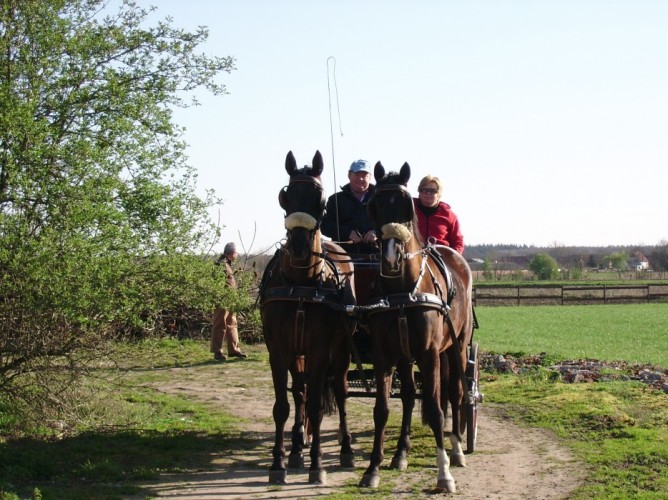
[(635, 333), (161, 353)]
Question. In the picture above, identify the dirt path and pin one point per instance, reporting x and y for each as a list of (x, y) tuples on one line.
[(509, 462)]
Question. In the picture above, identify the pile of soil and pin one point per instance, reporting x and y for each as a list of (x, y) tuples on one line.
[(581, 370)]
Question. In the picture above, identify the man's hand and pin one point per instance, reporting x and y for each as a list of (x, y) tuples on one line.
[(370, 237)]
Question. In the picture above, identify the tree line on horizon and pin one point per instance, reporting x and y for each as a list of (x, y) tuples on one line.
[(592, 257)]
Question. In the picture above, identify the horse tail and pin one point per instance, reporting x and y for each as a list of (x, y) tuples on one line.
[(328, 399)]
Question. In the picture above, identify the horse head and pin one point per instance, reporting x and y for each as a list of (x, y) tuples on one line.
[(303, 200), (392, 212)]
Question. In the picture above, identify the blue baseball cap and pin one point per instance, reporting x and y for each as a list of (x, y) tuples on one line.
[(360, 166)]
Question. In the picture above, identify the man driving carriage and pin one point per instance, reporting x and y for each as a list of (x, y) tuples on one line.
[(346, 220)]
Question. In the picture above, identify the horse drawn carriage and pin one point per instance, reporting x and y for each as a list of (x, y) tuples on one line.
[(412, 302)]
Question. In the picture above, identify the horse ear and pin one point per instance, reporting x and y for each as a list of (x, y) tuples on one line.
[(405, 174), (316, 170), (378, 171), (290, 164)]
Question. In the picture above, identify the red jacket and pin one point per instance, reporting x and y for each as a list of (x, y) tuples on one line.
[(442, 226)]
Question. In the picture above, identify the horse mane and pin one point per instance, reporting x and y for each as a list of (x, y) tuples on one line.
[(305, 171), (391, 178)]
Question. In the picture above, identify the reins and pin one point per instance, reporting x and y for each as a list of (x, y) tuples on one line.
[(313, 265)]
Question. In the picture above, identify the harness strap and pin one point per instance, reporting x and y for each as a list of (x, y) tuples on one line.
[(304, 294), (328, 255), (299, 330), (423, 266), (397, 300), (403, 333), (445, 271)]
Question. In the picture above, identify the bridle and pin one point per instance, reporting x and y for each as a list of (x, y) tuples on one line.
[(403, 226), (303, 219), (297, 179)]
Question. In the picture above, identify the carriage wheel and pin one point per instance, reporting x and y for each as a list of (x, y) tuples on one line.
[(472, 375)]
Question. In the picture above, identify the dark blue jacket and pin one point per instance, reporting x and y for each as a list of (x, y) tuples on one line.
[(352, 216)]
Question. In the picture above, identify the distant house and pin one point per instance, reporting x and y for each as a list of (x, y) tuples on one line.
[(638, 262)]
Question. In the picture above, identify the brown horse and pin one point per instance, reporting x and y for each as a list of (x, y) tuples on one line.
[(419, 321), (306, 329)]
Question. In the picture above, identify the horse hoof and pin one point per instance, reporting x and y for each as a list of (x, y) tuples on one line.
[(446, 485), (277, 476), (399, 463), (458, 459), (317, 477), (296, 461), (370, 481), (347, 460)]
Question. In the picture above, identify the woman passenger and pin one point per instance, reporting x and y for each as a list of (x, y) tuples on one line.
[(437, 223)]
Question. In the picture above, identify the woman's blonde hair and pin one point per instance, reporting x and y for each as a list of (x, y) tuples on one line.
[(430, 178)]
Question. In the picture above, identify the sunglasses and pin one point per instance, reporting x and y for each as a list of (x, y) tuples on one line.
[(428, 191)]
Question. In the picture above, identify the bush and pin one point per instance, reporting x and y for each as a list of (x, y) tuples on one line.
[(100, 219), (544, 266)]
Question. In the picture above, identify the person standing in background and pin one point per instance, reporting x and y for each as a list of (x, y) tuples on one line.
[(224, 324)]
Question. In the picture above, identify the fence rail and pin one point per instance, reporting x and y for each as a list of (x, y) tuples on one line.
[(503, 295)]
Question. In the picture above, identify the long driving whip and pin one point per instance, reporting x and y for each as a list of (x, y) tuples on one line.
[(331, 132)]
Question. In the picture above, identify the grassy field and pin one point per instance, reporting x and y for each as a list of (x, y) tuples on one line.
[(619, 429), (635, 333)]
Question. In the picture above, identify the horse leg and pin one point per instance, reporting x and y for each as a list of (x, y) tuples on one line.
[(455, 395), (314, 409), (381, 411), (405, 370), (281, 410), (432, 414), (296, 458), (340, 364)]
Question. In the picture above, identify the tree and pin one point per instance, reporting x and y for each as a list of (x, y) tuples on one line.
[(99, 219), (487, 269), (617, 260), (659, 257), (543, 266)]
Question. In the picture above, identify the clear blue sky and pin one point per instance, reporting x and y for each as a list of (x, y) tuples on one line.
[(546, 120)]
